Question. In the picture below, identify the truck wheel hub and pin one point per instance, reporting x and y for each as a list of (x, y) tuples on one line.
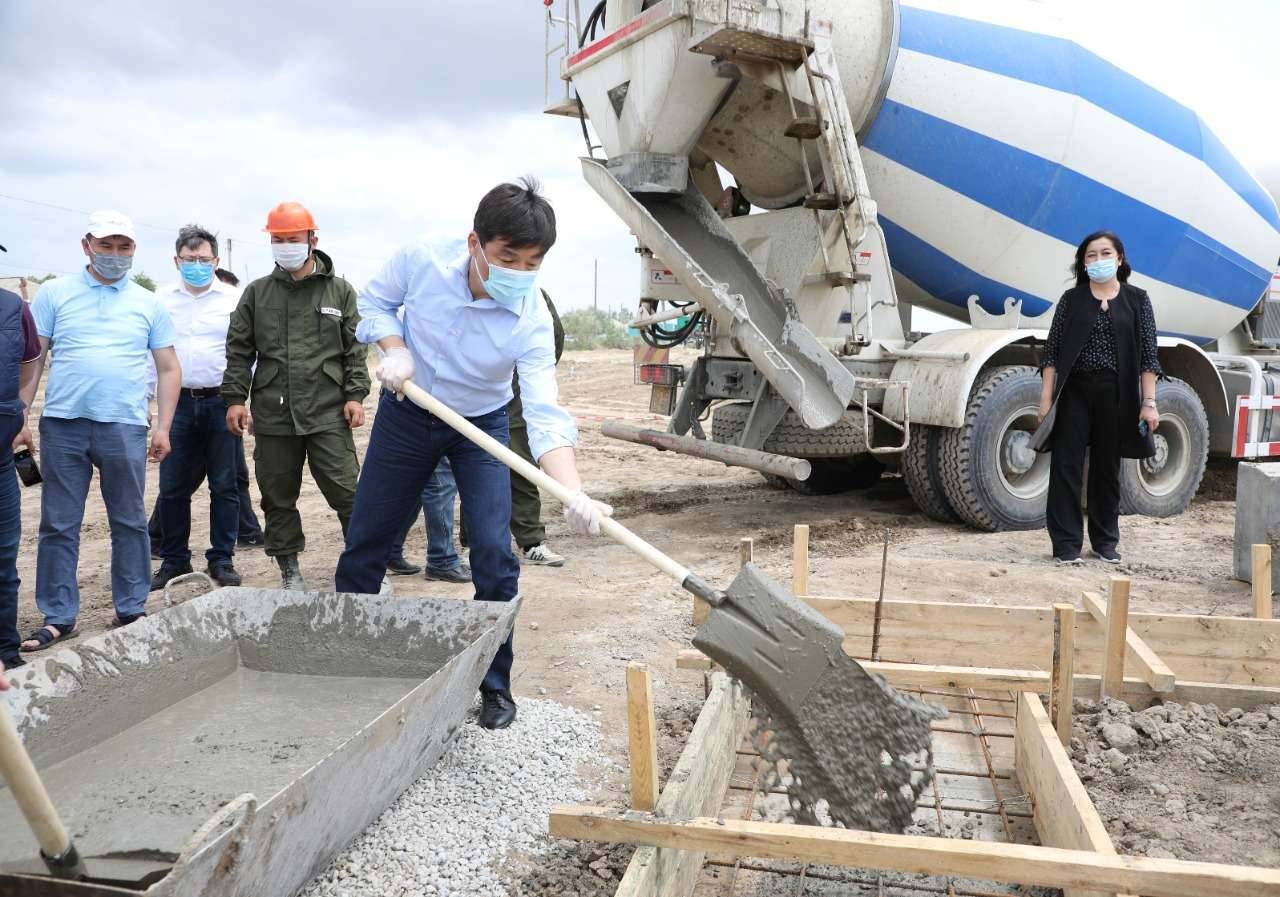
[(1156, 463), (1019, 457)]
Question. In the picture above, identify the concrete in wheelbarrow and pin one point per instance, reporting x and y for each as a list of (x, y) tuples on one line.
[(323, 706)]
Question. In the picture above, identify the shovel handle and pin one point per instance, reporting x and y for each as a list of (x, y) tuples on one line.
[(612, 528), (20, 773)]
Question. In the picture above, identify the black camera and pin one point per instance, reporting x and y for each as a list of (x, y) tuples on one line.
[(28, 470)]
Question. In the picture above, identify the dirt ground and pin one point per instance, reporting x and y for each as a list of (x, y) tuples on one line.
[(581, 624)]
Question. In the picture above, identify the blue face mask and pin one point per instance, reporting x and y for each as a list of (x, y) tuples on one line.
[(198, 274), (506, 286), (1101, 271)]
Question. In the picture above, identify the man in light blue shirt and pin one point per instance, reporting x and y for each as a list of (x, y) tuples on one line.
[(101, 327), (471, 316)]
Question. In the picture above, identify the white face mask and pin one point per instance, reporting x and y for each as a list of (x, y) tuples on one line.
[(290, 256)]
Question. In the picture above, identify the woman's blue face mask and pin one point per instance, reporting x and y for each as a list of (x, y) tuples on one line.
[(1101, 271), (506, 286)]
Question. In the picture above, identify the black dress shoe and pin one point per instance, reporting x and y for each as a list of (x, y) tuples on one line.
[(166, 573), (497, 709), (398, 566), (224, 574)]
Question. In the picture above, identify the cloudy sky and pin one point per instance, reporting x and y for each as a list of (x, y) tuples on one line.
[(389, 118)]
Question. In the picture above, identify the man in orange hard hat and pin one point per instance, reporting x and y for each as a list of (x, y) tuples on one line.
[(298, 325)]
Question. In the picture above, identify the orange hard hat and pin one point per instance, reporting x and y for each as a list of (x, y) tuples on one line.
[(289, 217)]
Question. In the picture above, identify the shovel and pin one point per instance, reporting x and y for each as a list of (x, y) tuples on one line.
[(856, 752), (58, 854)]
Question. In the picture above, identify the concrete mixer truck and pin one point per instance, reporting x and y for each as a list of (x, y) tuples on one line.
[(886, 156)]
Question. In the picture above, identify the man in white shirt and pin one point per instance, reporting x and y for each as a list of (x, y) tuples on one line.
[(471, 316), (200, 306)]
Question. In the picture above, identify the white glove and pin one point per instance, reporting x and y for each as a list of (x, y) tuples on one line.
[(395, 368), (584, 514)]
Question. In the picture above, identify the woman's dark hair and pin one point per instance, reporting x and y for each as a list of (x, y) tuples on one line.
[(518, 214), (1078, 269)]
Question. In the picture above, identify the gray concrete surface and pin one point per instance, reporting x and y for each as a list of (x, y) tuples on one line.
[(1257, 517)]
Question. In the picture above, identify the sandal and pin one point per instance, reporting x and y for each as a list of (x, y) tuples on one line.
[(45, 639), (118, 621)]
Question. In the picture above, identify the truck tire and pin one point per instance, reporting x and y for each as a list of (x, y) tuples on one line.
[(1164, 486), (791, 437), (992, 479), (922, 472)]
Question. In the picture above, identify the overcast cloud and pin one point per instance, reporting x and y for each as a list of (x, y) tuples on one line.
[(390, 119)]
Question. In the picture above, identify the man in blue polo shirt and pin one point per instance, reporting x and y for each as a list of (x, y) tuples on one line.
[(100, 327)]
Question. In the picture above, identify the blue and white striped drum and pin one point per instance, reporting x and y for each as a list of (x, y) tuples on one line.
[(1000, 144)]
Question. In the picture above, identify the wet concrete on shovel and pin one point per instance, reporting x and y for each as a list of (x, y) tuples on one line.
[(153, 784)]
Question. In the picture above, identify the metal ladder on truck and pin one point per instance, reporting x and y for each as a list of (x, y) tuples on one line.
[(845, 192)]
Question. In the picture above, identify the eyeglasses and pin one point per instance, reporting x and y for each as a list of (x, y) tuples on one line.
[(204, 260)]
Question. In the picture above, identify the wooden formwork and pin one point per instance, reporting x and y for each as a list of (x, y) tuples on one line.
[(1007, 810)]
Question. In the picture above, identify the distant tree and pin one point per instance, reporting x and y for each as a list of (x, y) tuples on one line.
[(585, 328), (142, 280), (42, 279)]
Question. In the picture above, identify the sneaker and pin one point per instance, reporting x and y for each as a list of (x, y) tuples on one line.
[(166, 573), (542, 555), (224, 574), (1107, 555), (399, 566), (1072, 561), (460, 573), (253, 540)]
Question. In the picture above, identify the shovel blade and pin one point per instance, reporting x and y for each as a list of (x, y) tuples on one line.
[(857, 751)]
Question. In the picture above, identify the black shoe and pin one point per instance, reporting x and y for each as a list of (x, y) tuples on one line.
[(1068, 560), (460, 573), (224, 574), (166, 573), (497, 709), (1107, 555), (398, 566), (253, 540)]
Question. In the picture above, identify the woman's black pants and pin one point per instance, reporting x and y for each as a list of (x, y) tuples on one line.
[(1088, 415)]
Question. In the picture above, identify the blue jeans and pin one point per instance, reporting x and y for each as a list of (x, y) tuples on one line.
[(249, 525), (437, 507), (10, 536), (199, 438), (70, 448), (406, 445)]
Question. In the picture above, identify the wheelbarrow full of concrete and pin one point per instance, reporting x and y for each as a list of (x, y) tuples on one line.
[(234, 744)]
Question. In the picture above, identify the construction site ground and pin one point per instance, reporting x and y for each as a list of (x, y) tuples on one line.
[(582, 623)]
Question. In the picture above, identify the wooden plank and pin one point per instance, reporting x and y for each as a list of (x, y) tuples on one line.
[(696, 787), (984, 860), (1064, 642), (642, 738), (1154, 671), (746, 552), (1262, 581), (800, 561), (920, 675), (1116, 626), (1063, 814), (1198, 648)]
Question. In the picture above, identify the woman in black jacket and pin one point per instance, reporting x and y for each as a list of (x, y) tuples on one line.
[(1100, 370)]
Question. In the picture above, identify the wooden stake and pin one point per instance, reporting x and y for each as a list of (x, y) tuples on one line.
[(1114, 641), (1262, 582), (1064, 646), (1147, 663), (643, 742), (746, 552), (875, 624), (800, 561)]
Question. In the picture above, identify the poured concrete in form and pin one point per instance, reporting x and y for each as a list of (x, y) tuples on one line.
[(324, 707)]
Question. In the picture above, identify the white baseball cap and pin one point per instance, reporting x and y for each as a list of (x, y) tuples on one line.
[(110, 223)]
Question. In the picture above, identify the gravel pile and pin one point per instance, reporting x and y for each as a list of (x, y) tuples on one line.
[(449, 834), (1189, 781)]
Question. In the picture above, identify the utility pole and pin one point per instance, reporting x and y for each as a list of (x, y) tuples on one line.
[(230, 257), (595, 287)]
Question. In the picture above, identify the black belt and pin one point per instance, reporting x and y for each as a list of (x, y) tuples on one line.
[(202, 392)]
